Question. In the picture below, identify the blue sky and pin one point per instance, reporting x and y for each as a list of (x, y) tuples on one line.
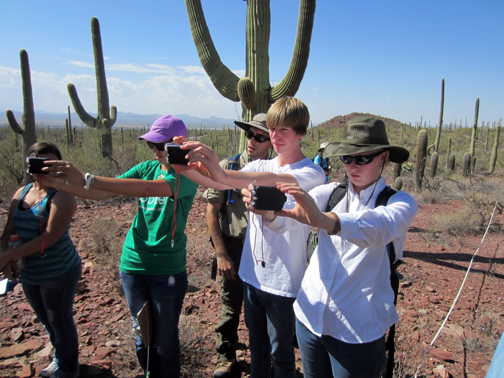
[(386, 57)]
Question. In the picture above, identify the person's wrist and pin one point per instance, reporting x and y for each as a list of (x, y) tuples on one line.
[(333, 227)]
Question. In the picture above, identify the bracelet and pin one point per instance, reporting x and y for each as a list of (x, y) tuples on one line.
[(337, 226), (89, 180)]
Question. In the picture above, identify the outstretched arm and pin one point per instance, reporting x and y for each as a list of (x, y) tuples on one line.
[(103, 187), (204, 159)]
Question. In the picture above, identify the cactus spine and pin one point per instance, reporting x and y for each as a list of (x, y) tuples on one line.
[(254, 90), (106, 116), (421, 154), (495, 148)]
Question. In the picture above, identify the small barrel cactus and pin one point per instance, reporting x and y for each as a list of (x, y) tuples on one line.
[(495, 148), (421, 154), (451, 162), (466, 164), (398, 183), (434, 163)]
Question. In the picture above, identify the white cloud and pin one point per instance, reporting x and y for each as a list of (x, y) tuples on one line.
[(81, 64), (155, 89)]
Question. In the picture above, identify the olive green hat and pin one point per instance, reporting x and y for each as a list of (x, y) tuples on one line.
[(366, 134)]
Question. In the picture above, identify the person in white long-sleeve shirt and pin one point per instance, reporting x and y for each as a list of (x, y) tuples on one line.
[(346, 302)]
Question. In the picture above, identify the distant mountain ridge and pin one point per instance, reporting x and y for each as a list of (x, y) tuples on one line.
[(43, 118)]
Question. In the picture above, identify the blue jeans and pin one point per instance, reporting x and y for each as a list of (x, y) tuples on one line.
[(328, 357), (52, 301), (166, 293), (270, 321)]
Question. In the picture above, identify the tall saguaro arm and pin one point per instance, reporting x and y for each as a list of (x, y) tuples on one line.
[(27, 128), (225, 81), (292, 80), (254, 91)]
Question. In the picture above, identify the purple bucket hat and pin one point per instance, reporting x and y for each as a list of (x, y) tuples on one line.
[(164, 129)]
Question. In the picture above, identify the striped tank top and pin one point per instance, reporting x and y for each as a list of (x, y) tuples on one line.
[(59, 258)]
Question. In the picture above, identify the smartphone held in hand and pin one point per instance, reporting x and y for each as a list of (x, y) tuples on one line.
[(34, 165), (267, 198)]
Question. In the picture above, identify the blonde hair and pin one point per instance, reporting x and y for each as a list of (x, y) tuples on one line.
[(290, 112)]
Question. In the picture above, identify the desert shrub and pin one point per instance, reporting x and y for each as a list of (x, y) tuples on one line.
[(458, 223), (191, 346), (107, 238), (11, 169), (486, 323)]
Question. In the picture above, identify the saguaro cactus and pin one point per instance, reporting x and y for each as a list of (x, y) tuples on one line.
[(448, 153), (474, 129), (27, 130), (254, 90), (495, 148), (421, 155), (106, 116), (440, 125)]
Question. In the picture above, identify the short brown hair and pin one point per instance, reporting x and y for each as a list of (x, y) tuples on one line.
[(43, 148), (290, 112)]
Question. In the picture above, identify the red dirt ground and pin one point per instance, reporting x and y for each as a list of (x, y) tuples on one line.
[(434, 267)]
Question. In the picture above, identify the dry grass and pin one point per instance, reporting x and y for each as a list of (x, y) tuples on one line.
[(193, 354), (107, 238)]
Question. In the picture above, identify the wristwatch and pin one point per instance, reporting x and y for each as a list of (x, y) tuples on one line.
[(89, 180)]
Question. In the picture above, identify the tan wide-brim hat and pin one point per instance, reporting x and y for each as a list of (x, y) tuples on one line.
[(259, 122), (366, 134)]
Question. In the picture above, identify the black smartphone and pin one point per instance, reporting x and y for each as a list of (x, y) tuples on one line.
[(268, 198), (35, 164), (175, 155)]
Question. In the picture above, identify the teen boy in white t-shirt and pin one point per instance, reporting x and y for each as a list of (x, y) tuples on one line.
[(272, 264)]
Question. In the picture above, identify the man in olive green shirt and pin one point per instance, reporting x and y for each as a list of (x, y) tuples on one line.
[(227, 220)]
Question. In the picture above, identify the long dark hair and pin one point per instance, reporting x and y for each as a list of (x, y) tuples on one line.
[(42, 148)]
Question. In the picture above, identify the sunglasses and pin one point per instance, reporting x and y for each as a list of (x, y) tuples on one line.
[(257, 137), (359, 160), (159, 146)]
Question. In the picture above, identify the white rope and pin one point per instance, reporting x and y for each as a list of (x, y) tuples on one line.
[(459, 292)]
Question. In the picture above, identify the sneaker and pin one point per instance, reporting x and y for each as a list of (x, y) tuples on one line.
[(222, 369), (65, 374), (49, 370)]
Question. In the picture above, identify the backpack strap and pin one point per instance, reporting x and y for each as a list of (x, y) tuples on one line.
[(382, 200), (336, 196), (233, 164)]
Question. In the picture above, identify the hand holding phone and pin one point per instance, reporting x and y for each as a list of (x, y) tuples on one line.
[(175, 155), (267, 198), (35, 164)]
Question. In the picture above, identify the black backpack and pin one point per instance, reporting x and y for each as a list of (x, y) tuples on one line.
[(336, 196)]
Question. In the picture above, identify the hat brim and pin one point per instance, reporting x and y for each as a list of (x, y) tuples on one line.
[(247, 125), (397, 154)]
